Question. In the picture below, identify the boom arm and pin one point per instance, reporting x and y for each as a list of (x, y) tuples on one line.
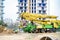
[(35, 18)]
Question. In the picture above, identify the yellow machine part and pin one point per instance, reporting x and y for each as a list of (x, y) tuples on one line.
[(55, 25), (39, 26), (24, 15), (40, 22), (52, 16), (34, 18)]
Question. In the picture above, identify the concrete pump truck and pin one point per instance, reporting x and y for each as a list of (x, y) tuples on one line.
[(39, 23)]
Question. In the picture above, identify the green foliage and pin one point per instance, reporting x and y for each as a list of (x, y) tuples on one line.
[(2, 23), (29, 28)]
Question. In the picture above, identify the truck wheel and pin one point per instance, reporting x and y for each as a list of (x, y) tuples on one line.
[(46, 38)]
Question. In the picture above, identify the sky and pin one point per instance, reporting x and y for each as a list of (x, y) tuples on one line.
[(55, 7), (10, 9)]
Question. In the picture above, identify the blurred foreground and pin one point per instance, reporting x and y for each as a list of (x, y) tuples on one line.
[(30, 36)]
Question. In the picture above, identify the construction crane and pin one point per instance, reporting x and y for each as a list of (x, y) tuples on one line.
[(42, 21)]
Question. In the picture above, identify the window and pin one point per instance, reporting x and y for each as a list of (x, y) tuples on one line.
[(34, 0), (29, 0), (1, 10), (20, 0), (24, 10), (17, 12), (21, 7), (2, 6), (21, 3), (32, 4), (2, 13), (21, 10), (25, 7), (42, 8), (39, 11), (32, 7), (25, 4), (44, 4), (1, 3), (29, 10), (42, 1), (44, 11), (25, 0), (32, 11), (39, 4), (2, 0)]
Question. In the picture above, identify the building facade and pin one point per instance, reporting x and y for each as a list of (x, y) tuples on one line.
[(32, 6), (1, 9)]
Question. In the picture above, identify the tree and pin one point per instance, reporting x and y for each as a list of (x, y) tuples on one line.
[(1, 22)]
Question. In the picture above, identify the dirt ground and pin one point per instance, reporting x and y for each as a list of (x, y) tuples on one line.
[(29, 36)]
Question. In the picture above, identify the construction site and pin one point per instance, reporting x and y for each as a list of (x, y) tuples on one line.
[(34, 22)]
